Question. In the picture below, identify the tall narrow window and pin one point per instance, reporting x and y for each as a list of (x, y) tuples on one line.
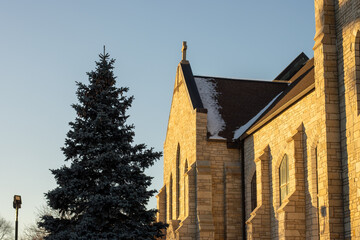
[(166, 206), (284, 178), (357, 68), (185, 188), (317, 188), (177, 181), (171, 198), (253, 192)]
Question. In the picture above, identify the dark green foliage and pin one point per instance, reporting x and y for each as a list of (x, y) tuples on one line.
[(102, 194)]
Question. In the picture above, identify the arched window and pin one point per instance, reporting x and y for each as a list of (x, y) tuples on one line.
[(170, 197), (253, 192), (178, 181), (284, 178)]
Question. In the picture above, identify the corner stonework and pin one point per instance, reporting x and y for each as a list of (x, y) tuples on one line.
[(204, 201), (292, 211)]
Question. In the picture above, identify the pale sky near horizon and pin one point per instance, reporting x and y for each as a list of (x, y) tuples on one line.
[(45, 46)]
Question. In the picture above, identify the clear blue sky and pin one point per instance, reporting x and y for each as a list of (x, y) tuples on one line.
[(45, 46)]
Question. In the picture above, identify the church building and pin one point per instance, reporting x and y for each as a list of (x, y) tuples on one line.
[(277, 159)]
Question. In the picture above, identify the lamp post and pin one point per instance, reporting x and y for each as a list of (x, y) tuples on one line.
[(17, 205)]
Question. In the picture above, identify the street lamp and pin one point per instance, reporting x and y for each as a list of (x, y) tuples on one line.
[(17, 204)]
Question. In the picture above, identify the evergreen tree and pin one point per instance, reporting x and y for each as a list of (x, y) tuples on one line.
[(102, 193)]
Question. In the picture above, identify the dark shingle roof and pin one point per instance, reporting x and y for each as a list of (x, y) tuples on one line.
[(240, 100), (301, 84)]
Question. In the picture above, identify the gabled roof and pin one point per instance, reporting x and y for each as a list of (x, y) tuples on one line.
[(246, 105), (238, 99)]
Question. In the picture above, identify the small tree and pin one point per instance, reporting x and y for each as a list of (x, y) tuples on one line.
[(104, 188), (6, 229), (33, 231)]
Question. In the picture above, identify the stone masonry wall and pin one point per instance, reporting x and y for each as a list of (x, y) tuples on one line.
[(348, 58), (279, 137), (259, 223), (329, 147), (207, 202), (180, 140), (225, 192), (320, 134)]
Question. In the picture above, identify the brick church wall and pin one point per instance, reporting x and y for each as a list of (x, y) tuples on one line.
[(319, 133), (348, 59), (180, 143), (206, 204), (292, 135)]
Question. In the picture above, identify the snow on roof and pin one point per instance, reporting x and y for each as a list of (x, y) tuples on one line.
[(240, 131), (208, 95)]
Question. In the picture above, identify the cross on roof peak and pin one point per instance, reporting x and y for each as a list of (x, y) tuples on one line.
[(183, 50)]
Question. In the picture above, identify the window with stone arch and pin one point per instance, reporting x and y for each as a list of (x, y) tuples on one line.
[(357, 69), (253, 192), (284, 178), (177, 181)]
